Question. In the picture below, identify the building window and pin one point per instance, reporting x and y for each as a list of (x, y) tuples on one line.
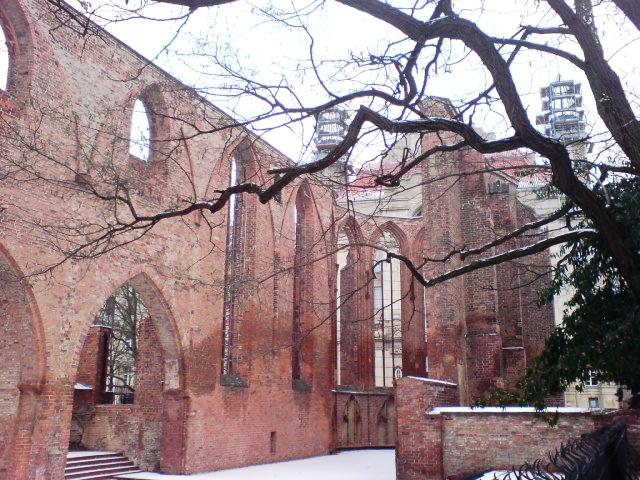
[(140, 138), (594, 402), (387, 331), (4, 61), (592, 379), (498, 186), (236, 239)]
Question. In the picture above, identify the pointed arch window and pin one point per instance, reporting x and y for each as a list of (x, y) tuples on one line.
[(5, 60), (387, 326), (302, 270), (140, 138), (236, 240)]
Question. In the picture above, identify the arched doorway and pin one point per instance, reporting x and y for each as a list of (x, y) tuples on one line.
[(21, 376), (128, 389), (387, 423)]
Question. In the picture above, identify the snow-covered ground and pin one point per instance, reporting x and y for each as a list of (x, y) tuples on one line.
[(351, 465), (510, 476)]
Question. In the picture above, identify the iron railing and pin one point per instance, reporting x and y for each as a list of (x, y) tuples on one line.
[(118, 395), (603, 455)]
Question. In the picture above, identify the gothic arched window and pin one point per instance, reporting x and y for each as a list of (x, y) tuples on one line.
[(236, 241), (387, 325), (140, 138), (302, 272)]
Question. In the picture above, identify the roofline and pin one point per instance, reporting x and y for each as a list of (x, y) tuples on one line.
[(171, 77)]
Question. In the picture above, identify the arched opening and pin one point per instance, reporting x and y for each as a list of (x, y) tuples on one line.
[(21, 373), (302, 345), (236, 242), (5, 60), (387, 308), (351, 423), (141, 132), (128, 379), (387, 423)]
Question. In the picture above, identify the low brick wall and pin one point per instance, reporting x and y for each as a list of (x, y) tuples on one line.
[(493, 438), (438, 440)]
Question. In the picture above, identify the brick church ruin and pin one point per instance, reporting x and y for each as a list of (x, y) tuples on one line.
[(262, 333)]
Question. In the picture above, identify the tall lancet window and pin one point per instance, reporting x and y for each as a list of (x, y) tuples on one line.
[(387, 326), (301, 361), (4, 61), (236, 239), (140, 138)]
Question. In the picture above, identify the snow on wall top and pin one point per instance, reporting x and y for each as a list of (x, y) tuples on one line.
[(433, 380), (440, 410)]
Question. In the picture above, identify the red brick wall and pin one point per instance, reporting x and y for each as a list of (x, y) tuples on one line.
[(135, 429), (475, 442), (419, 452), (92, 357), (453, 445)]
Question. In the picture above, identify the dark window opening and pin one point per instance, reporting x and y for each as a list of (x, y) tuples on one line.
[(272, 442)]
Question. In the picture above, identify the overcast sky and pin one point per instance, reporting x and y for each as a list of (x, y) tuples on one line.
[(240, 33)]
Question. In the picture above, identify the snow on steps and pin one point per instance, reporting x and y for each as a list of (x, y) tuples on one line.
[(97, 465)]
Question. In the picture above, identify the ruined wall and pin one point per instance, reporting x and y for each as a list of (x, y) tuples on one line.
[(81, 92)]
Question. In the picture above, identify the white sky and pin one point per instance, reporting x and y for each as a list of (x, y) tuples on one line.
[(4, 60), (241, 34)]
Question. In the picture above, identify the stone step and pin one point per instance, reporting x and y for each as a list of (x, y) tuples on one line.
[(100, 473), (95, 465)]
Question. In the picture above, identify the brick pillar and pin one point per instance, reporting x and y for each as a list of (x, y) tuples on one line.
[(413, 334), (22, 440), (93, 360), (348, 326), (419, 443), (174, 414), (51, 431), (484, 350)]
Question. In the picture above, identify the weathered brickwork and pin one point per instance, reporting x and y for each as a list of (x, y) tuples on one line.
[(477, 331), (184, 420), (419, 453), (457, 444)]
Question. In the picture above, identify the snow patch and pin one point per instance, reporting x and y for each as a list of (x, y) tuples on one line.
[(504, 475), (351, 465), (87, 453), (433, 380)]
